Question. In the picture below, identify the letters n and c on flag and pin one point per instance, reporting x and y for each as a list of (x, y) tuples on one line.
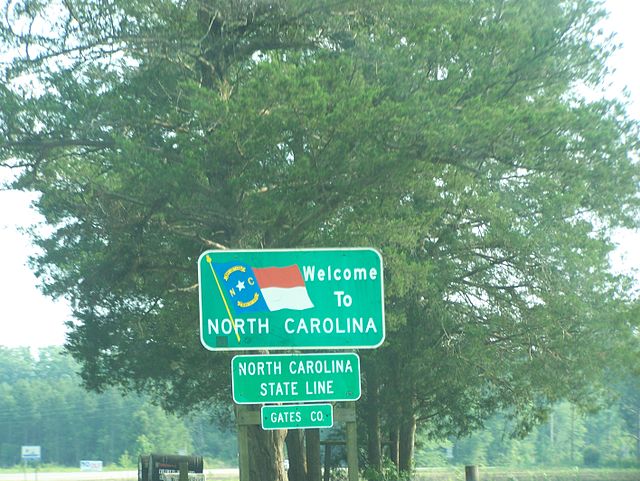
[(249, 289)]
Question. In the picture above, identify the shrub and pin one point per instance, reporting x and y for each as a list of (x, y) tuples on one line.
[(591, 456)]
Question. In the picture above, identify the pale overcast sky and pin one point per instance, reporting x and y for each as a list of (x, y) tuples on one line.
[(27, 318)]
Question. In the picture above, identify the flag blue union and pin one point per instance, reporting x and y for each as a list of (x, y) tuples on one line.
[(240, 287)]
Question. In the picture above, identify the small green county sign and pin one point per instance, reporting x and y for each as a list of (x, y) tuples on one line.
[(297, 416), (294, 378), (284, 299)]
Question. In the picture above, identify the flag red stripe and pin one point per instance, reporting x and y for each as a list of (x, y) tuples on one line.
[(289, 276)]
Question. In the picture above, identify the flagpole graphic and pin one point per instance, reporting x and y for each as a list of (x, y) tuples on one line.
[(224, 299)]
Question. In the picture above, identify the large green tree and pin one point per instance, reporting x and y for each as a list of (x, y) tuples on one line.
[(447, 134), (189, 126), (496, 249)]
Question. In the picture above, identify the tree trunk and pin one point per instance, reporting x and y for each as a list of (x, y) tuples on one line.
[(314, 468), (638, 438), (266, 454), (406, 442), (372, 418), (572, 433), (297, 455), (327, 463), (394, 447)]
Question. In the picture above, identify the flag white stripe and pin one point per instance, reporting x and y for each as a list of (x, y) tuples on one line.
[(287, 298)]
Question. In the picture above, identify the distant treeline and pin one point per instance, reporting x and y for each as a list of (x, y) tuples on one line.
[(42, 403), (608, 437)]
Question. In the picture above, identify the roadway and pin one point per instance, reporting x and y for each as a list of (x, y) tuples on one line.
[(30, 475)]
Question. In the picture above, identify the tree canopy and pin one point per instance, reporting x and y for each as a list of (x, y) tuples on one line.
[(449, 135)]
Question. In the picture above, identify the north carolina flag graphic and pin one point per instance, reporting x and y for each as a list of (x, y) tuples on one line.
[(250, 289)]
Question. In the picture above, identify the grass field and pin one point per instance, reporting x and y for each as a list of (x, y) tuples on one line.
[(422, 474), (538, 474), (512, 474)]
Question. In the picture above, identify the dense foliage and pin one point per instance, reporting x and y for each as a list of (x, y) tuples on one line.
[(42, 403), (449, 135)]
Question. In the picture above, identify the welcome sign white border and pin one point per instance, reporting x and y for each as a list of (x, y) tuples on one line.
[(289, 347)]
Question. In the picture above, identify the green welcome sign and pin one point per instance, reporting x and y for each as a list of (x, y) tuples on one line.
[(284, 299)]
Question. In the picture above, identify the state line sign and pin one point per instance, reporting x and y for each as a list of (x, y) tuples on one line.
[(284, 299), (294, 378)]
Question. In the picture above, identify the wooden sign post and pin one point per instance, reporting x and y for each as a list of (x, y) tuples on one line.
[(345, 413)]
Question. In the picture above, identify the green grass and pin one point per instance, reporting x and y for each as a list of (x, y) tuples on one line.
[(537, 474), (435, 474)]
